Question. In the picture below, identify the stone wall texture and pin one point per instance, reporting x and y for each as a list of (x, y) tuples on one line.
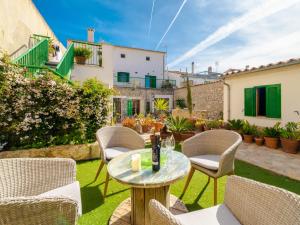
[(205, 97)]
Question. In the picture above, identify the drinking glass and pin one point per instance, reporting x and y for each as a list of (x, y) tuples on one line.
[(163, 146), (170, 146)]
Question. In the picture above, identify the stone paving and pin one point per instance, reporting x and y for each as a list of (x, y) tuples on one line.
[(274, 160)]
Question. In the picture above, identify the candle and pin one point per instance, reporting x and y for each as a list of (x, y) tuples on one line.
[(136, 164)]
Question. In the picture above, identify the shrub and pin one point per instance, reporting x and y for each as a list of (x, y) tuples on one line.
[(82, 51), (235, 124), (214, 124), (290, 131), (273, 132), (180, 103), (248, 129), (46, 110), (178, 124)]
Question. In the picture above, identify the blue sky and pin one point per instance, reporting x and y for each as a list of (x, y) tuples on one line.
[(233, 33)]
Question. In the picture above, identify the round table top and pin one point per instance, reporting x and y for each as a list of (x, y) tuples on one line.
[(175, 167)]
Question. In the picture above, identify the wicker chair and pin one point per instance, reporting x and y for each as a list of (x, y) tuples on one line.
[(114, 141), (246, 202), (212, 152), (38, 191)]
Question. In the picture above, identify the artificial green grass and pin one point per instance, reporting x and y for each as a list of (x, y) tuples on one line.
[(199, 195)]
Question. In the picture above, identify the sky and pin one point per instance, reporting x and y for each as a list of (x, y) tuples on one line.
[(219, 33)]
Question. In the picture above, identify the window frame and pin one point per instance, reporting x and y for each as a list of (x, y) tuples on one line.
[(148, 58), (123, 56)]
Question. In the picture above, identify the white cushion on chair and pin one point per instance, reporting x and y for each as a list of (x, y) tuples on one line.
[(113, 152), (217, 215), (210, 162), (71, 191)]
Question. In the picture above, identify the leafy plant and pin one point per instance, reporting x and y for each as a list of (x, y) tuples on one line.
[(129, 122), (272, 131), (290, 131), (235, 124), (189, 97), (178, 124), (213, 124), (83, 52), (248, 129), (161, 105), (180, 103)]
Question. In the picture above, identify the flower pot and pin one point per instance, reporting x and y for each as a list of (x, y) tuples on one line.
[(271, 142), (145, 128), (187, 135), (158, 126), (177, 136), (259, 141), (248, 138), (289, 146), (80, 59)]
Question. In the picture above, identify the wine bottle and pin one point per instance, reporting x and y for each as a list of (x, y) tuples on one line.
[(156, 154)]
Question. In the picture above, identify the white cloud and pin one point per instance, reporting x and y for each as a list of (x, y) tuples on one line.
[(260, 12)]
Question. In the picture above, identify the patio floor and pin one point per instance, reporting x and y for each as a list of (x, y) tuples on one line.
[(274, 160)]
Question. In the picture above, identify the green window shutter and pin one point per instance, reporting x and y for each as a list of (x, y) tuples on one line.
[(250, 101), (273, 101), (123, 77), (129, 107), (153, 82)]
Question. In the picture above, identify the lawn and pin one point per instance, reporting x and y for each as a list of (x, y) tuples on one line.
[(199, 195)]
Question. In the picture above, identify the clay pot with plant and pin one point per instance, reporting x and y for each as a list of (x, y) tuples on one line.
[(248, 131), (180, 127), (81, 54), (290, 136), (213, 124), (271, 136), (259, 137), (235, 125)]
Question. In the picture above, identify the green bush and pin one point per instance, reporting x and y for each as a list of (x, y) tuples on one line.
[(290, 131), (235, 124), (177, 124), (273, 132), (46, 110), (248, 129), (180, 103), (82, 51)]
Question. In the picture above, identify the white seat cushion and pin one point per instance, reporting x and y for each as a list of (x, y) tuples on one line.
[(210, 162), (71, 191), (217, 215), (114, 152)]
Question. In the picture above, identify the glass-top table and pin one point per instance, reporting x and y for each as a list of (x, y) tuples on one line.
[(146, 184)]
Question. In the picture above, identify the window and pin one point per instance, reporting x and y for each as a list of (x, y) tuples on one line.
[(147, 58), (123, 55), (263, 101), (123, 77), (150, 81), (148, 107)]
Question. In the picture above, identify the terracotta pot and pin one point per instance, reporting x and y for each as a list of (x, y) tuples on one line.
[(187, 135), (158, 126), (259, 141), (145, 128), (248, 138), (80, 59), (289, 146), (271, 142), (177, 136)]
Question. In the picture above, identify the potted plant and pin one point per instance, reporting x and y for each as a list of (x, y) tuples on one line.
[(290, 136), (259, 137), (164, 133), (213, 124), (147, 124), (81, 54), (199, 125), (180, 127), (235, 125), (129, 122), (248, 131), (271, 136), (161, 106)]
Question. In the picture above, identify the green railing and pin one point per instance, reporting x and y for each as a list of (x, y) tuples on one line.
[(67, 62), (140, 82), (36, 56)]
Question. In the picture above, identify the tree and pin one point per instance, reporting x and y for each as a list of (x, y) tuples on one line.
[(189, 96)]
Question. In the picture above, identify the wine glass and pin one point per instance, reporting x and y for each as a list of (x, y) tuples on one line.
[(170, 145), (163, 146)]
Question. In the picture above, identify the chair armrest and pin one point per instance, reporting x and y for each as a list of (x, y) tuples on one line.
[(42, 211)]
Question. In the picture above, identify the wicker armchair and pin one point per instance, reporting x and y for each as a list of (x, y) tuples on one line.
[(246, 202), (212, 152), (31, 192), (113, 141)]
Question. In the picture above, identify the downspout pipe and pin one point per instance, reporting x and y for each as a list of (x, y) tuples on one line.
[(228, 98)]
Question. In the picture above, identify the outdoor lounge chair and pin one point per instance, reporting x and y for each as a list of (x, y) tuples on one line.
[(40, 191), (113, 141), (246, 202), (212, 152)]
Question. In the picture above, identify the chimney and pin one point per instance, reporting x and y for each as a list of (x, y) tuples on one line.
[(193, 68), (209, 70), (91, 32)]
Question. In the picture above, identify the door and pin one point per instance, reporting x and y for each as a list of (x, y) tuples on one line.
[(150, 81), (129, 107), (135, 106)]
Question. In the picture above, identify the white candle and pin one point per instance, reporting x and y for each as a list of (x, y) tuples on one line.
[(136, 164)]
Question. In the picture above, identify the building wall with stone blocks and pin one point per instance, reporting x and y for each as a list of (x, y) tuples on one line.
[(205, 97)]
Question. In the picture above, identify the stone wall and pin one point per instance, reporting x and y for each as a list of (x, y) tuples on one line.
[(206, 97)]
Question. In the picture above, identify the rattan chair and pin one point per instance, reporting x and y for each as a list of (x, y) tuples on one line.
[(114, 141), (38, 191), (212, 152), (246, 202)]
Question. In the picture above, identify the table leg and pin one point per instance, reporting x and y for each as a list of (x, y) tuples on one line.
[(140, 198)]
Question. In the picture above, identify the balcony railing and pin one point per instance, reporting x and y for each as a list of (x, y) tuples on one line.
[(139, 82), (96, 58)]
